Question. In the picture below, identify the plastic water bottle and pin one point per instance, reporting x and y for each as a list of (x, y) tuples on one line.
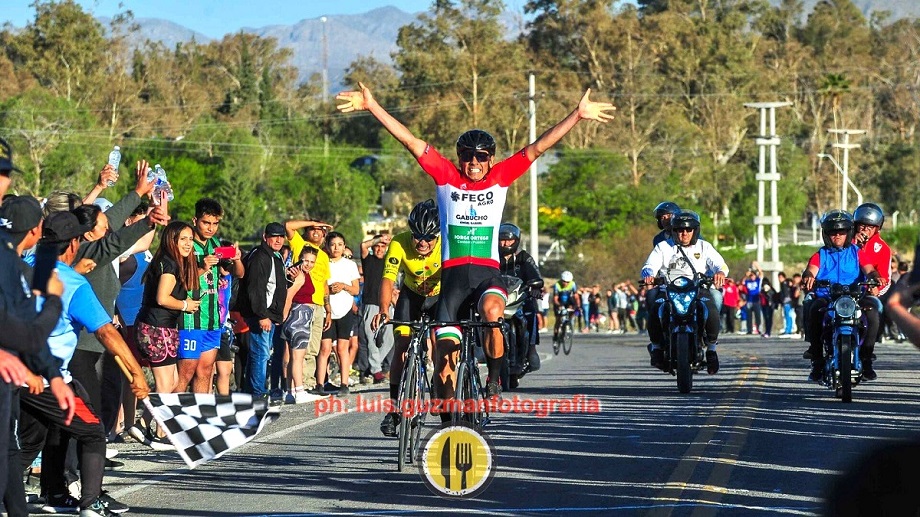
[(114, 161), (161, 185)]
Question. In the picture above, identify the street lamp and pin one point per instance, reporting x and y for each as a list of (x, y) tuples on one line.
[(846, 181)]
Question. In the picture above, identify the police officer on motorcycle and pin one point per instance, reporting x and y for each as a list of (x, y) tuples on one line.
[(685, 254), (518, 263)]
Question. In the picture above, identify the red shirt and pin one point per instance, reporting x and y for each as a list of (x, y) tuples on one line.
[(730, 294), (877, 253), (305, 294)]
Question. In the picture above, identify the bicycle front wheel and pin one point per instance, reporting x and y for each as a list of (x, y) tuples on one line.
[(568, 337), (408, 391)]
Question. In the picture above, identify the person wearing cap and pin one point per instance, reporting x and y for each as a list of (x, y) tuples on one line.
[(40, 414), (315, 232), (25, 335), (261, 302)]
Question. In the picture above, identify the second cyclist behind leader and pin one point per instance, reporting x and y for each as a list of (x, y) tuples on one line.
[(417, 255), (471, 198)]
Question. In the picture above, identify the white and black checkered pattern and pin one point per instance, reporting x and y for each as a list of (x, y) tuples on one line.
[(205, 426)]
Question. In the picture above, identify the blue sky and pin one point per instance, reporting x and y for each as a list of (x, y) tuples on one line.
[(215, 18)]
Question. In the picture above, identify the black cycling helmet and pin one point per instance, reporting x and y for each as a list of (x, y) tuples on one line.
[(665, 207), (835, 220), (687, 219), (424, 219), (476, 140), (869, 213), (507, 232)]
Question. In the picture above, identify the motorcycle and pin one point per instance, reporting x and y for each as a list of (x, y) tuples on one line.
[(520, 331), (840, 334), (683, 317)]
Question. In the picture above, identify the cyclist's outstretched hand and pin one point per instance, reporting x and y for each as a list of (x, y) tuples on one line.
[(590, 110), (355, 100)]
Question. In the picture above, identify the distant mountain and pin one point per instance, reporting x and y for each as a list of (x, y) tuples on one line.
[(374, 34), (348, 36)]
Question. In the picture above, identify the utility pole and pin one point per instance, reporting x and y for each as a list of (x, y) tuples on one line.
[(768, 140), (325, 87), (534, 169), (846, 146)]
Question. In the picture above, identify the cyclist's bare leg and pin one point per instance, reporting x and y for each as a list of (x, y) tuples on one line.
[(491, 308), (444, 382), (401, 346)]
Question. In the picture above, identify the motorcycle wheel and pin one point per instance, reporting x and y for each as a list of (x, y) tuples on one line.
[(684, 372), (846, 366)]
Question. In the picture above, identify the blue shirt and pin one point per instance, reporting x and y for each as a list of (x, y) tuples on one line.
[(840, 266), (81, 309)]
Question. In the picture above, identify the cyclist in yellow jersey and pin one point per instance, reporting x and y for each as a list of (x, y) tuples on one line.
[(417, 253)]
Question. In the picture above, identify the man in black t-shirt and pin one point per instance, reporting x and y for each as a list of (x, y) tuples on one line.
[(372, 253)]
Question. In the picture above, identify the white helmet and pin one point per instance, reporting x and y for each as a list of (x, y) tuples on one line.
[(566, 276)]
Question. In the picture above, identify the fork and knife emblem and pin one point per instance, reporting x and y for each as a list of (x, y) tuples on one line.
[(463, 462)]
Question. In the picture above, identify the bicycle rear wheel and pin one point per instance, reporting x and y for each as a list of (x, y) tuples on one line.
[(568, 337)]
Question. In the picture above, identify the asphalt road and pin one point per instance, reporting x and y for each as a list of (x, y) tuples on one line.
[(755, 439)]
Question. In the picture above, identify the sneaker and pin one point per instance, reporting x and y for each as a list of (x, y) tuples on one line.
[(330, 388), (317, 390), (344, 391), (712, 362), (61, 503), (868, 372), (807, 354), (493, 389), (110, 453), (113, 505), (162, 444), (379, 377), (97, 509), (817, 371), (388, 426), (139, 434), (276, 397), (289, 398), (657, 358), (302, 397), (113, 465)]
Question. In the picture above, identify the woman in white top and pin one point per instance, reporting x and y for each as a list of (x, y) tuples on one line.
[(343, 287)]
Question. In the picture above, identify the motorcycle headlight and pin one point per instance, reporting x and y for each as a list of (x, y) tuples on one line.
[(680, 281), (845, 307), (682, 301)]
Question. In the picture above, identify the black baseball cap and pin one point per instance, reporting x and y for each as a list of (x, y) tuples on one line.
[(6, 159), (62, 227), (19, 214), (275, 230)]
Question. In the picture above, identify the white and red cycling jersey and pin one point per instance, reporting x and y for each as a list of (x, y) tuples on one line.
[(471, 212)]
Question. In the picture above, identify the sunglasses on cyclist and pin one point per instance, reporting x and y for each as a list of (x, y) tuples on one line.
[(468, 154), (424, 237)]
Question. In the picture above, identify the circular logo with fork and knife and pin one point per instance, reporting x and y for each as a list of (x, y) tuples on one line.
[(457, 460)]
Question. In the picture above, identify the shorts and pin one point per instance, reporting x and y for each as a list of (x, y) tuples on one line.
[(130, 336), (342, 328), (409, 307), (464, 286), (157, 344), (296, 329), (193, 343), (225, 352)]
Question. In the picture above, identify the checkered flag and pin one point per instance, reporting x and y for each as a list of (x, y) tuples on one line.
[(204, 426)]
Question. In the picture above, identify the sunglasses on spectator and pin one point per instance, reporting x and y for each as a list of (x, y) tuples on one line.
[(424, 237), (467, 156)]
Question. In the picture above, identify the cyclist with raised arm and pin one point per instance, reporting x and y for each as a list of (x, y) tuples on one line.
[(417, 255), (471, 197), (563, 299), (685, 254)]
